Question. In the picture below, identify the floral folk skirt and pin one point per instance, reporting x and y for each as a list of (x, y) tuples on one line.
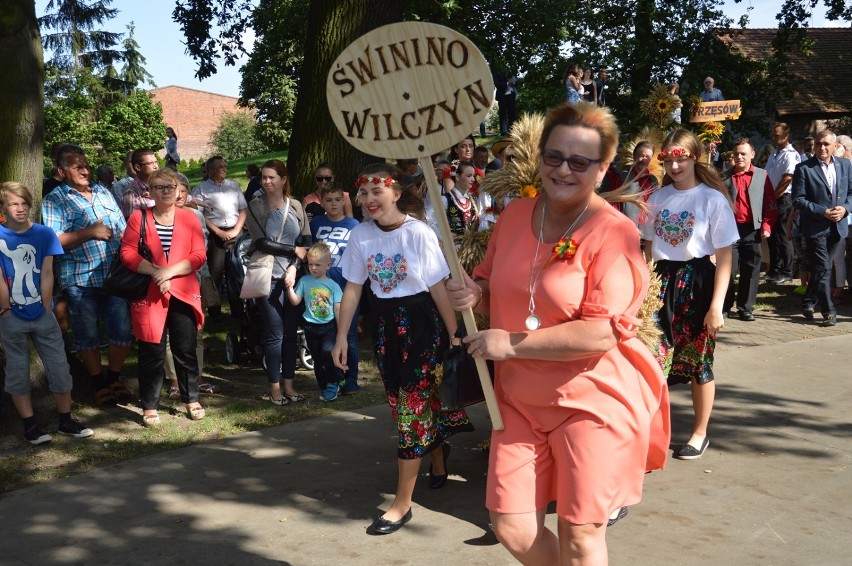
[(686, 348), (409, 343)]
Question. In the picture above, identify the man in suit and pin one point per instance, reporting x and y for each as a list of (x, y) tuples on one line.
[(822, 193), (755, 213)]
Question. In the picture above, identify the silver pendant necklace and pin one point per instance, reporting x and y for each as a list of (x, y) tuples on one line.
[(533, 322)]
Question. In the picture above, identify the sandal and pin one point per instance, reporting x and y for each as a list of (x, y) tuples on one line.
[(209, 388), (195, 413), (120, 391), (174, 393), (150, 420), (280, 402), (104, 396), (295, 397)]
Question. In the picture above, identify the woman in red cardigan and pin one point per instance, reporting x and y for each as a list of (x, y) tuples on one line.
[(174, 298)]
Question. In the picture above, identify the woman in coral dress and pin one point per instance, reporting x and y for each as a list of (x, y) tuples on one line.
[(584, 402)]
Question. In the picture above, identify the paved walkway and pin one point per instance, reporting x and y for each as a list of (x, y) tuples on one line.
[(773, 487)]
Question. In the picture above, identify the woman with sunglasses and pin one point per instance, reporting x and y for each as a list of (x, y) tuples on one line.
[(584, 402), (691, 219), (173, 303), (313, 201)]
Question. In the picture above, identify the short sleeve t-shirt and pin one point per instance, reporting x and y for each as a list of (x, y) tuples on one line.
[(688, 224), (21, 257), (320, 296), (336, 236), (399, 263), (224, 202)]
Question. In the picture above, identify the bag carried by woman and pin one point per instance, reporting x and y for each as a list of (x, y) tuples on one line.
[(127, 284), (258, 280)]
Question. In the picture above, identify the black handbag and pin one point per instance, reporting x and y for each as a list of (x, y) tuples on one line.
[(124, 283), (460, 385)]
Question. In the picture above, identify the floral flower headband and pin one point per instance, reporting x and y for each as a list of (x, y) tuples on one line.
[(676, 152), (386, 181)]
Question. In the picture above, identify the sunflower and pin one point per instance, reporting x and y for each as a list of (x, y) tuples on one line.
[(711, 132), (658, 105)]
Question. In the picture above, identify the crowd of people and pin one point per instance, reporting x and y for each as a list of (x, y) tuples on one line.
[(569, 319)]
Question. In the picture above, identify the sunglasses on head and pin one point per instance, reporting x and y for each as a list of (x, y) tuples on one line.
[(326, 178), (576, 163)]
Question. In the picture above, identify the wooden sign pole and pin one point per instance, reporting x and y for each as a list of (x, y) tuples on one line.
[(409, 90), (455, 271)]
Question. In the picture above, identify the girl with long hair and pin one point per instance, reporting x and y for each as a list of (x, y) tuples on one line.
[(402, 260), (691, 219)]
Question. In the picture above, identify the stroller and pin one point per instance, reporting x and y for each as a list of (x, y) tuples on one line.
[(247, 340)]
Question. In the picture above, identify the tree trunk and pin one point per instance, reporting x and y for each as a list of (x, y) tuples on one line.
[(22, 97), (643, 57), (332, 26)]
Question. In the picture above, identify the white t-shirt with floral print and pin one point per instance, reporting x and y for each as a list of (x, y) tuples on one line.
[(688, 224), (399, 263)]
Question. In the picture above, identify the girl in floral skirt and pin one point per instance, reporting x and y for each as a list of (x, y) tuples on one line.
[(691, 219), (400, 256)]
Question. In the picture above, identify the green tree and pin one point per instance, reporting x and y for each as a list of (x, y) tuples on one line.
[(134, 122), (133, 73), (21, 98), (71, 34), (236, 136), (269, 76)]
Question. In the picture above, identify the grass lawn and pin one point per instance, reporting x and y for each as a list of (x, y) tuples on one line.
[(119, 435)]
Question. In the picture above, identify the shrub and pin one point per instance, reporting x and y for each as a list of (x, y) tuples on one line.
[(236, 136)]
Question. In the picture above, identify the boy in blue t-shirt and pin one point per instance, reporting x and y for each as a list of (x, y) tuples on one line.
[(322, 307), (334, 229), (26, 291)]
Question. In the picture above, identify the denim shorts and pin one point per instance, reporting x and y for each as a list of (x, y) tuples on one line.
[(47, 338), (88, 304)]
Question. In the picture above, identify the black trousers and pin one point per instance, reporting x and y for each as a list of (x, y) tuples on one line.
[(821, 251), (181, 328), (746, 258), (780, 243)]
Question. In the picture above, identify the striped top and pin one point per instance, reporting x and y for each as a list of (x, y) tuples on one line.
[(165, 234)]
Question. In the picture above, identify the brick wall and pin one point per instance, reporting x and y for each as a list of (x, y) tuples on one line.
[(194, 115)]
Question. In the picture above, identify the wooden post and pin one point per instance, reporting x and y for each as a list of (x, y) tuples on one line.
[(456, 273)]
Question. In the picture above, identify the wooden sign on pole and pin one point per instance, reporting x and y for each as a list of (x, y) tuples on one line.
[(716, 111), (410, 90)]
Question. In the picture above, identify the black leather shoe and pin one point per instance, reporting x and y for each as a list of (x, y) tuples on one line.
[(808, 313), (830, 320), (746, 316), (382, 526), (437, 482)]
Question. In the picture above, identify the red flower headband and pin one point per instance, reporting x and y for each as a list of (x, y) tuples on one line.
[(676, 152), (386, 181)]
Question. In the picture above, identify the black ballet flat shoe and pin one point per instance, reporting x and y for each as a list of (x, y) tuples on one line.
[(382, 526), (689, 452), (437, 482), (622, 513)]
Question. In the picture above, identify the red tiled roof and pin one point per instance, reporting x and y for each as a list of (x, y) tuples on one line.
[(826, 75)]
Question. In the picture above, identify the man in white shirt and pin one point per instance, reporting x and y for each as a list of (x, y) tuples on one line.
[(224, 207), (780, 167)]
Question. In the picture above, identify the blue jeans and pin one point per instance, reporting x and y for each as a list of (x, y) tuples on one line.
[(321, 339), (280, 322), (86, 305)]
